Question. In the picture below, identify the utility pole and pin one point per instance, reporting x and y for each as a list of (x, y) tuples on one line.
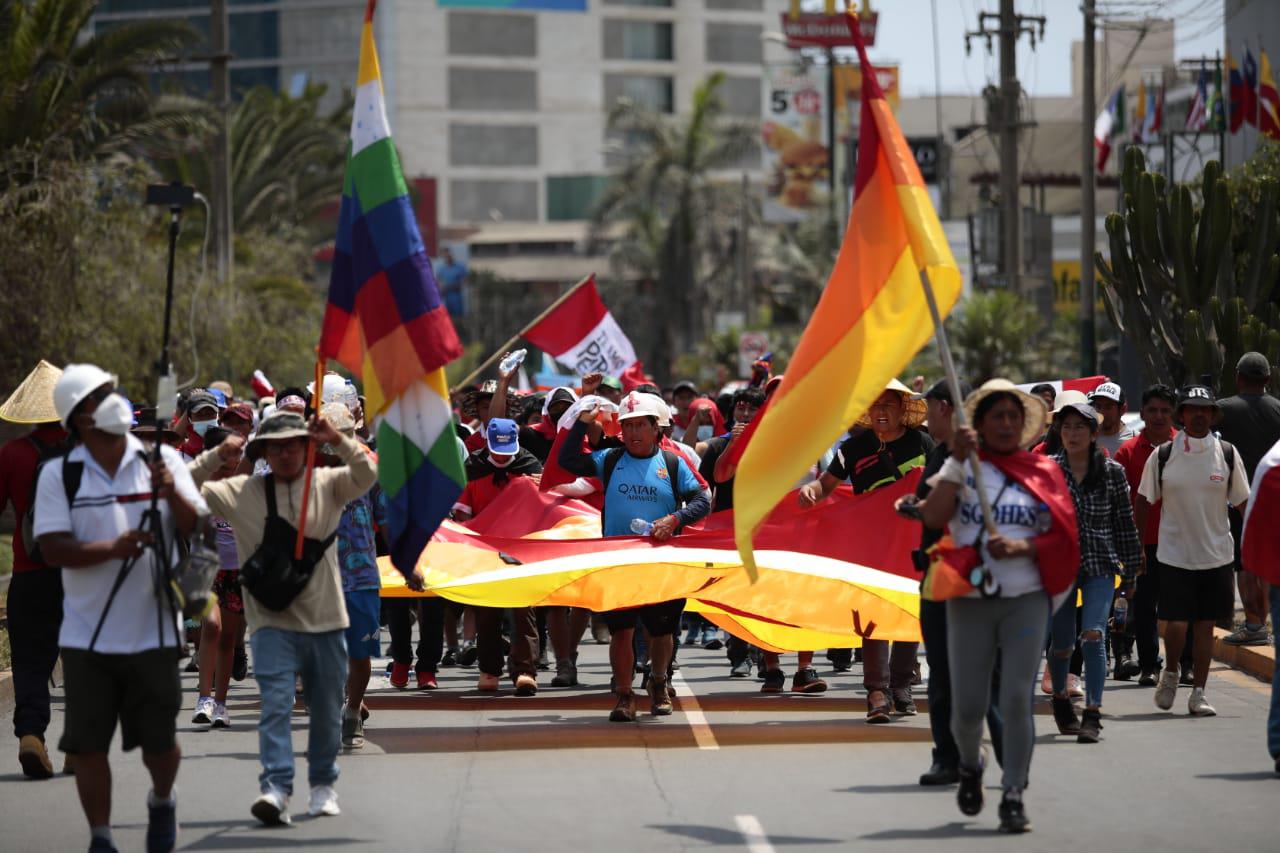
[(1008, 27), (220, 89), (1088, 214)]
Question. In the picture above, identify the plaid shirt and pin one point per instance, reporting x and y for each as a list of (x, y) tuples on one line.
[(1109, 542)]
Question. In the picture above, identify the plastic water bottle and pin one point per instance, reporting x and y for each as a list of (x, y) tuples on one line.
[(512, 361), (1120, 613), (640, 527)]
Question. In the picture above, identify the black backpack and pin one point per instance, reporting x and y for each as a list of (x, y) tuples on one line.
[(1166, 450), (271, 574), (614, 456), (72, 472)]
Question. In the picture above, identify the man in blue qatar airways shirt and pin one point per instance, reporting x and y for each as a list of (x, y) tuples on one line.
[(640, 482)]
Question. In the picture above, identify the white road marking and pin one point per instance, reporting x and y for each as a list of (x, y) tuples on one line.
[(753, 834), (702, 734)]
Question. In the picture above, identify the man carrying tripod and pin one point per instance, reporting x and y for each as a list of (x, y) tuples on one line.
[(120, 634)]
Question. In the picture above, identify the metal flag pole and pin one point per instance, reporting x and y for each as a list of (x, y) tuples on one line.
[(957, 402)]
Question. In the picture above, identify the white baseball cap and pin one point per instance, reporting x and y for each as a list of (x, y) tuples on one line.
[(1109, 390)]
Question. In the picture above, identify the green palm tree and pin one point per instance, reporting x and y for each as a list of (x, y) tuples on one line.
[(672, 210), (66, 97), (992, 333), (287, 158)]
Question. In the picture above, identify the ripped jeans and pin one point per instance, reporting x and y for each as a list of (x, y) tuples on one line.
[(1096, 594)]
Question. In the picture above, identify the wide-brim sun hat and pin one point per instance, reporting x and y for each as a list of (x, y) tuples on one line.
[(32, 401), (279, 427), (914, 411), (1035, 414)]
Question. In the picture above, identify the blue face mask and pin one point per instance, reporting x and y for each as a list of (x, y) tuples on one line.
[(201, 427), (704, 432)]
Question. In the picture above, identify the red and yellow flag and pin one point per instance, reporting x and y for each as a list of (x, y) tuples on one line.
[(872, 317)]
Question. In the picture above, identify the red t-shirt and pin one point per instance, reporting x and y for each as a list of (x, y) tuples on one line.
[(478, 494), (18, 462), (1133, 456)]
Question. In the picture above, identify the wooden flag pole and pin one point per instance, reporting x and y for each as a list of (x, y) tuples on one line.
[(515, 339), (957, 402), (316, 396)]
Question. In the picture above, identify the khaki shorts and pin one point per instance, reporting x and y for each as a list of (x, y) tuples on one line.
[(142, 690)]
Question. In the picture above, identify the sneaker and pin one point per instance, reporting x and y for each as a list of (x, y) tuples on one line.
[(774, 681), (1147, 678), (526, 685), (1198, 706), (939, 774), (806, 680), (488, 683), (400, 675), (204, 711), (34, 758), (162, 823), (711, 640), (1090, 726), (659, 698), (324, 801), (1187, 677), (903, 703), (1248, 636), (625, 710), (877, 707), (1126, 669), (566, 674), (468, 655), (352, 730), (101, 845), (450, 658), (1074, 690), (427, 681), (1013, 816), (1167, 690), (1064, 714), (272, 808), (239, 665), (969, 795), (221, 719), (741, 669)]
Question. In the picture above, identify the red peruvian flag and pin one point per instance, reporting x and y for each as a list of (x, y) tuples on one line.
[(582, 335), (1260, 551)]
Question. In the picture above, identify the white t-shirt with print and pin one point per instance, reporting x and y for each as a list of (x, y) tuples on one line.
[(105, 507), (1018, 514), (1195, 532)]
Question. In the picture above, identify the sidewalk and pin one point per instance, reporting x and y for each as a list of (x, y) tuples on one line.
[(1258, 661)]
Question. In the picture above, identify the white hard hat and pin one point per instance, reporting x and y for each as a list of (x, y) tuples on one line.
[(77, 382), (637, 405)]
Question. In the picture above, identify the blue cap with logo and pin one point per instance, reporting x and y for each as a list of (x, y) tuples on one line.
[(503, 436)]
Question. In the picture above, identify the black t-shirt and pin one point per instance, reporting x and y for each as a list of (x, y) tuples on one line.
[(932, 465), (723, 491), (867, 464), (536, 443), (1252, 423)]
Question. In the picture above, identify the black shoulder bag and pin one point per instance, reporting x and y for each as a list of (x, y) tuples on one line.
[(271, 574)]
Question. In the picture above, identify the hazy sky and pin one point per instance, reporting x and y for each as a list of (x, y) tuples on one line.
[(905, 34)]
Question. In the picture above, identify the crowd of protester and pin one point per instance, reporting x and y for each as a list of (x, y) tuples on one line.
[(1155, 514)]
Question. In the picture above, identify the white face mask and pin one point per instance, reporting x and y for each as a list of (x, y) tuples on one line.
[(113, 415), (704, 432)]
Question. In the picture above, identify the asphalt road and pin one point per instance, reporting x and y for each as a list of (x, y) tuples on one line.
[(732, 769)]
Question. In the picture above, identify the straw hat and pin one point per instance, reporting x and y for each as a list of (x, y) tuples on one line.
[(1036, 416), (914, 411), (32, 401)]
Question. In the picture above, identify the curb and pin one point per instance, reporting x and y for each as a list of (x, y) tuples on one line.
[(1258, 661)]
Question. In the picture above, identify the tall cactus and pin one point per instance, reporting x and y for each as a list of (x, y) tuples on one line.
[(1170, 284)]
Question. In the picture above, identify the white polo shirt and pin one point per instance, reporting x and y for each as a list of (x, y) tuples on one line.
[(105, 507)]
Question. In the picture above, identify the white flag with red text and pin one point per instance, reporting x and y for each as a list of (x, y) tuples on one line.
[(582, 335)]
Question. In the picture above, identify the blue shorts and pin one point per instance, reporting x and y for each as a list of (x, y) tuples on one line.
[(364, 607)]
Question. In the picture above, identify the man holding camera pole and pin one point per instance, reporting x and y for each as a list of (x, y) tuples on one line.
[(294, 607), (120, 636)]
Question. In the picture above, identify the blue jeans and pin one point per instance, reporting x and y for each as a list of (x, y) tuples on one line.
[(321, 659), (1273, 719), (1097, 594)]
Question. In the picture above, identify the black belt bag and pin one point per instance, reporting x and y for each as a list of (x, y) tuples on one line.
[(271, 574)]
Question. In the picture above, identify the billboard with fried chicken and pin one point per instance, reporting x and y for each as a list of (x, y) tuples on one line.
[(794, 130)]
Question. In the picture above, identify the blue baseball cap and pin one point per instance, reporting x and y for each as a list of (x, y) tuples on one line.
[(503, 436)]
